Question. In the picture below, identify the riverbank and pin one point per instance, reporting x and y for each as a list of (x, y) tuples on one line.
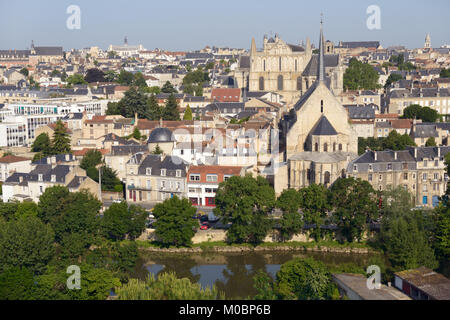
[(219, 246)]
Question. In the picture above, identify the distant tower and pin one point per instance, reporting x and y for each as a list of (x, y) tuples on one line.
[(427, 42), (33, 51), (125, 41)]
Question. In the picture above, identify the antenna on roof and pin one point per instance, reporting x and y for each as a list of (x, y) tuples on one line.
[(321, 67)]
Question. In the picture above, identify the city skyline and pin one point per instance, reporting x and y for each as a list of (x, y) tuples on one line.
[(192, 26)]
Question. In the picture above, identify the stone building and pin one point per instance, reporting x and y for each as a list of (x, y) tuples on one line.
[(287, 69), (319, 139), (419, 170)]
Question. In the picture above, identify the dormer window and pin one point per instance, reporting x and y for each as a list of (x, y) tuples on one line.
[(178, 173), (163, 172), (148, 171), (40, 178), (53, 178)]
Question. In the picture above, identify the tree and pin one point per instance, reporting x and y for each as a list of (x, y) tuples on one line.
[(61, 139), (8, 210), (94, 75), (291, 222), (168, 88), (355, 204), (121, 220), (445, 73), (396, 141), (174, 225), (170, 111), (442, 232), (264, 285), (154, 111), (136, 133), (51, 204), (393, 77), (112, 54), (26, 210), (303, 279), (110, 76), (16, 284), (91, 159), (245, 202), (139, 80), (166, 287), (42, 144), (26, 243), (157, 150), (315, 205), (360, 76), (24, 71), (75, 79), (133, 102), (428, 115), (406, 243), (113, 108), (187, 113), (431, 142), (125, 78)]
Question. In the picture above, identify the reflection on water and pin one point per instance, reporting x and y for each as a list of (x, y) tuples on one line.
[(231, 273)]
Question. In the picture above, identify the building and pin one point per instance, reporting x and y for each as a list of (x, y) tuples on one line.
[(203, 182), (423, 284), (226, 94), (125, 50), (434, 98), (420, 170), (10, 164), (154, 178), (319, 140)]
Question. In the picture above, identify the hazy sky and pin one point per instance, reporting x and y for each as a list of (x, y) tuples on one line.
[(193, 24)]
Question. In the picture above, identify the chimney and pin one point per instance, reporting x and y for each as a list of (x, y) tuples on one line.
[(135, 118), (53, 159), (375, 156), (415, 153), (67, 157), (395, 155), (20, 179), (439, 152)]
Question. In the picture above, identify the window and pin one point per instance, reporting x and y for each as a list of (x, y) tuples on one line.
[(163, 172), (436, 163), (299, 83), (325, 147), (340, 147), (425, 163), (425, 188), (194, 177), (53, 178), (355, 168), (279, 63), (225, 178), (405, 166), (436, 176), (405, 176), (370, 177), (211, 178), (41, 189), (380, 177), (40, 177), (178, 173), (370, 167), (280, 82), (163, 184), (424, 177), (261, 83), (321, 106), (389, 166), (316, 147)]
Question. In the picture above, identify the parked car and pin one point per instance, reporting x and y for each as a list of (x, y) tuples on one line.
[(204, 227)]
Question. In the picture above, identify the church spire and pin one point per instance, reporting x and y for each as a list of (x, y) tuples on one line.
[(321, 65), (253, 47)]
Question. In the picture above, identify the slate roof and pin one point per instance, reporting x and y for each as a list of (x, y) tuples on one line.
[(330, 60), (244, 62), (49, 51), (355, 112), (432, 283), (127, 150), (323, 128), (296, 48), (170, 163), (59, 158), (360, 44), (425, 131), (161, 135)]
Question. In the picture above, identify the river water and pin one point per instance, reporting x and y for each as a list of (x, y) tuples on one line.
[(232, 273)]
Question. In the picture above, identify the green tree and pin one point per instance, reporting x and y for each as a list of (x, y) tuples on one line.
[(75, 79), (431, 142), (24, 71), (393, 77), (139, 80), (113, 108), (168, 88), (174, 225), (121, 220), (396, 141), (125, 78), (245, 202), (134, 101), (291, 222), (16, 284), (187, 113), (61, 139), (166, 287), (360, 76), (442, 232), (8, 210), (445, 73), (315, 205), (154, 111), (264, 286), (91, 159), (26, 243), (111, 76), (136, 133), (170, 111), (303, 279), (94, 75), (42, 144), (355, 205), (428, 115), (26, 210), (157, 150), (412, 111)]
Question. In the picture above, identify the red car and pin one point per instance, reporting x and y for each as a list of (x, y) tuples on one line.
[(205, 226)]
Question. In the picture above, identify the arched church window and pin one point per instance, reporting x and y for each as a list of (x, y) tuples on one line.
[(321, 106), (316, 147), (307, 84), (295, 65), (261, 83), (264, 62), (340, 146), (280, 63), (299, 83), (343, 173), (334, 146), (325, 147), (327, 179), (280, 82)]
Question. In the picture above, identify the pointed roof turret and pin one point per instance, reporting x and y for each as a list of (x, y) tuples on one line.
[(253, 49), (321, 66), (324, 128)]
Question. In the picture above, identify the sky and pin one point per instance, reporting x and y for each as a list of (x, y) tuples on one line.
[(193, 24)]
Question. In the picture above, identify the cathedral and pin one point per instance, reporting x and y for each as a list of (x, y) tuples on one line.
[(287, 69), (319, 142)]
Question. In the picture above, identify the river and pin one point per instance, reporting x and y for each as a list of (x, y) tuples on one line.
[(232, 273)]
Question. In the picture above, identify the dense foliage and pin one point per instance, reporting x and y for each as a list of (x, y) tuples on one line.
[(360, 76)]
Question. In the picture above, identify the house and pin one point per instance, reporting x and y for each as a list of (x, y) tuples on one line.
[(154, 178), (203, 182), (10, 164), (423, 284), (226, 94)]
